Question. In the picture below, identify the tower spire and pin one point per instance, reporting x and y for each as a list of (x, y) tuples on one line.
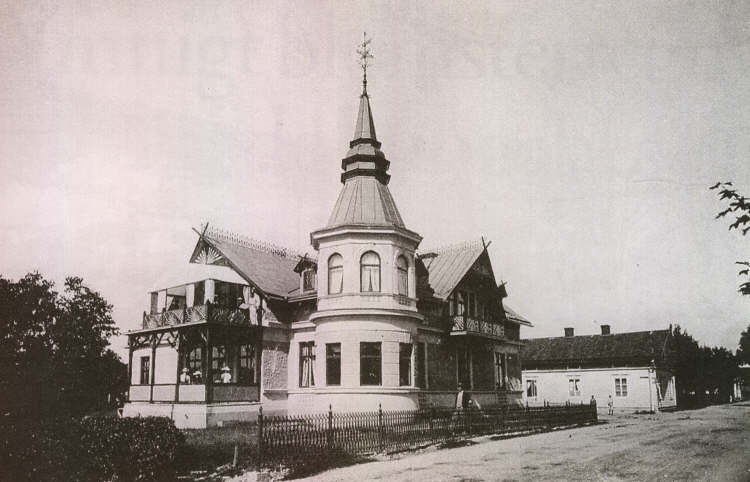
[(364, 57)]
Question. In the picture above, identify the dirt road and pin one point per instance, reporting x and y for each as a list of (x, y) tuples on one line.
[(708, 444)]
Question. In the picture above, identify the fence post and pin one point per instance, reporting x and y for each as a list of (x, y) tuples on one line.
[(329, 434), (468, 419), (259, 455), (380, 427)]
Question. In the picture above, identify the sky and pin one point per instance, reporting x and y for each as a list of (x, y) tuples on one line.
[(579, 137)]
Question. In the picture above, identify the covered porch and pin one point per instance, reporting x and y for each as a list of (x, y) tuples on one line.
[(209, 361)]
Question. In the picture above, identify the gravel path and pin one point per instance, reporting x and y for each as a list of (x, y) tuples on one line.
[(708, 444)]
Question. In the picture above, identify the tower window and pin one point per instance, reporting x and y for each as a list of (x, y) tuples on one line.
[(369, 267), (369, 363), (402, 268), (404, 364), (333, 364), (335, 274)]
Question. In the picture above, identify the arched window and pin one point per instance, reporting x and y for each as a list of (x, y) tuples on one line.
[(369, 269), (402, 269), (335, 274)]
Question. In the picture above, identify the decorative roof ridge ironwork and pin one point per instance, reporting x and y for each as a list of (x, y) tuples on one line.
[(460, 246), (248, 242)]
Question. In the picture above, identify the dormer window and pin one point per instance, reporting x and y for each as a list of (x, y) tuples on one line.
[(369, 267), (308, 280), (402, 270)]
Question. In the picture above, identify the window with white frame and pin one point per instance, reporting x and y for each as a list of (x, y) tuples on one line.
[(307, 364), (402, 268), (369, 267), (335, 274), (531, 389), (621, 387), (574, 387)]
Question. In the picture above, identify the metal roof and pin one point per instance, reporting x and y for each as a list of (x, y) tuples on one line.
[(448, 265), (269, 267), (638, 347), (365, 200)]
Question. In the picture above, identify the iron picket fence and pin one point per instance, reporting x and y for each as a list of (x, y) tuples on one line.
[(289, 441)]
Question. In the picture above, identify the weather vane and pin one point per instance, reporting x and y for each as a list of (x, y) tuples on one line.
[(364, 57)]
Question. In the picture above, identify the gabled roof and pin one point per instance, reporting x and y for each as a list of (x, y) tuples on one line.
[(268, 267), (632, 348), (448, 265), (513, 316)]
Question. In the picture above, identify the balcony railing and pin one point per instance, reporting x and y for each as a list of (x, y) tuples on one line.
[(196, 314), (472, 325)]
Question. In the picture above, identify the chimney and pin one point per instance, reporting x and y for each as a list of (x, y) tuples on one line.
[(605, 330), (568, 332)]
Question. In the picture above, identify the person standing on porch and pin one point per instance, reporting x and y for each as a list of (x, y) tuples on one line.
[(609, 404)]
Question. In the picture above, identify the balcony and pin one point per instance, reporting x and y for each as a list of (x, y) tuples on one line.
[(463, 325), (207, 313)]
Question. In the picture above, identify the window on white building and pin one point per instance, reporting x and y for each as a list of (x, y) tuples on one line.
[(574, 387), (402, 267), (369, 363), (404, 364), (621, 387), (333, 364), (307, 364), (531, 389), (369, 267), (145, 370), (335, 274)]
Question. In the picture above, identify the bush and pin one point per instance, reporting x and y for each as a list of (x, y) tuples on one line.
[(91, 449)]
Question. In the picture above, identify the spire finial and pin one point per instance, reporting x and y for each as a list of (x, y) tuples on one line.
[(364, 56)]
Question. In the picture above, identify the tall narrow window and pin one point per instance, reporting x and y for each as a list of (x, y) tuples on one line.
[(369, 363), (369, 267), (218, 359), (306, 364), (621, 387), (421, 368), (145, 370), (460, 303), (574, 387), (247, 364), (308, 280), (531, 389), (335, 274), (404, 364), (193, 360), (333, 364), (402, 268), (471, 304), (499, 370)]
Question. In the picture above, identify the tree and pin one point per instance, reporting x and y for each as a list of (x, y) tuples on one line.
[(739, 207), (743, 352), (53, 348)]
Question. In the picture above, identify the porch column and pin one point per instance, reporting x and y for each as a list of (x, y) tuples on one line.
[(209, 363), (470, 358), (130, 364), (153, 367), (178, 347)]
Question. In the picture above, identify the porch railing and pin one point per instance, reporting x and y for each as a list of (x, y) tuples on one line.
[(473, 325), (198, 313), (297, 441)]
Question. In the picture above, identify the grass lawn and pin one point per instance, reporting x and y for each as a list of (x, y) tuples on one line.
[(209, 448)]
